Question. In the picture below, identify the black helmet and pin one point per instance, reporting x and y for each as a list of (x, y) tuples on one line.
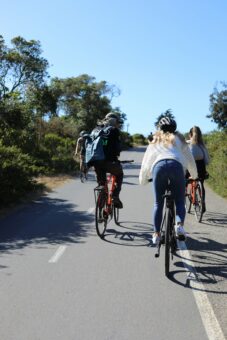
[(82, 133), (167, 124), (115, 116)]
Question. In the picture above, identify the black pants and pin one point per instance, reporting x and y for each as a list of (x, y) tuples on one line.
[(114, 168), (201, 168)]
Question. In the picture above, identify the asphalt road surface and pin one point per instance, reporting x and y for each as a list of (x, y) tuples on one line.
[(59, 280)]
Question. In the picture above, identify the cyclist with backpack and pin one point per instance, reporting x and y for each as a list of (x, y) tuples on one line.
[(165, 160), (111, 149), (81, 149)]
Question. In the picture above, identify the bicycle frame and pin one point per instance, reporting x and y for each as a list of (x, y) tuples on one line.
[(105, 209), (195, 197), (168, 237)]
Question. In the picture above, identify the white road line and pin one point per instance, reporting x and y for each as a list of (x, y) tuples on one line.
[(208, 317), (59, 252), (90, 211)]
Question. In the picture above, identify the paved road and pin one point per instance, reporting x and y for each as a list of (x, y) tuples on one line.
[(60, 281)]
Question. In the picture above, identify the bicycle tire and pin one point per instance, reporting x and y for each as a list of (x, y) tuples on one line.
[(116, 215), (167, 241), (100, 216), (198, 206), (188, 202)]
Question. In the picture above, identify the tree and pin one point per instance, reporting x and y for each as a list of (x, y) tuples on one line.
[(167, 113), (218, 107), (20, 66), (84, 99)]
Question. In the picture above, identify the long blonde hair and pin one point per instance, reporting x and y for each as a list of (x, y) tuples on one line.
[(196, 135), (167, 138)]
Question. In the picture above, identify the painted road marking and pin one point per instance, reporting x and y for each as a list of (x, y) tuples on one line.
[(208, 317), (59, 252)]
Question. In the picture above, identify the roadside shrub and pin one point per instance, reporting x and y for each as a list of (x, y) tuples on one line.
[(57, 153), (16, 174), (216, 143), (126, 140), (139, 139)]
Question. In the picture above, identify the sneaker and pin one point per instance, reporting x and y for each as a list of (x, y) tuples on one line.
[(156, 239), (180, 232), (117, 202)]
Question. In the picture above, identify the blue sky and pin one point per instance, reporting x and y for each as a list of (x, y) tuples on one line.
[(163, 54)]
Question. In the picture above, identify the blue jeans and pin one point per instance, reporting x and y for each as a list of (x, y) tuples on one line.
[(164, 171)]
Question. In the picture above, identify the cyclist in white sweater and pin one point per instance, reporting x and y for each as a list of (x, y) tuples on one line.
[(166, 159)]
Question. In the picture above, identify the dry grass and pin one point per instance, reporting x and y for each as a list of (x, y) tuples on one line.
[(51, 182)]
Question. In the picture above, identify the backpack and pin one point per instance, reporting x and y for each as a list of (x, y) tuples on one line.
[(94, 145)]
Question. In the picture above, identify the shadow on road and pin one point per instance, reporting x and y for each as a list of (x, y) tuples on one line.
[(46, 221), (130, 233), (208, 265)]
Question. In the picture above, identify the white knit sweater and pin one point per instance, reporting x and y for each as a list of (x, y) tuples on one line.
[(157, 152)]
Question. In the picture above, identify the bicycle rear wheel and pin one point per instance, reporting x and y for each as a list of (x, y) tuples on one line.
[(168, 225), (101, 216), (188, 201), (116, 215), (198, 206)]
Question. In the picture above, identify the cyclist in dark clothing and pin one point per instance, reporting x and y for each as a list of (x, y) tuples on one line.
[(80, 148), (112, 149)]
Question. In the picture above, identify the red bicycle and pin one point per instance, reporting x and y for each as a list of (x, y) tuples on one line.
[(194, 197), (104, 207)]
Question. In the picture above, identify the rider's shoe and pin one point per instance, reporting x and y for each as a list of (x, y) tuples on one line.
[(156, 239), (117, 202), (180, 232)]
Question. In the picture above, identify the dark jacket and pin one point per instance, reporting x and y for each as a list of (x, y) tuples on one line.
[(112, 144)]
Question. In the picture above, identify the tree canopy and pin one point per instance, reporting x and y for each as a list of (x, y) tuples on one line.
[(218, 107)]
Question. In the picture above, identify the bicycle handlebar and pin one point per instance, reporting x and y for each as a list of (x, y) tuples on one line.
[(190, 180), (126, 161)]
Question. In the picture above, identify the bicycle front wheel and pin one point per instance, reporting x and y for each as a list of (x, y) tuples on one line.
[(101, 216), (116, 215), (198, 206)]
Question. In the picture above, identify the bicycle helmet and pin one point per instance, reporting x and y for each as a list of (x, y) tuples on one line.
[(167, 124), (115, 116)]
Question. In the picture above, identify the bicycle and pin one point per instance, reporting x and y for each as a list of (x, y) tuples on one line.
[(104, 207), (194, 196), (168, 235)]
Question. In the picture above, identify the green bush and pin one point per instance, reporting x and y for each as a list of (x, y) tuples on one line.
[(216, 143), (126, 140), (139, 139), (16, 174), (57, 153)]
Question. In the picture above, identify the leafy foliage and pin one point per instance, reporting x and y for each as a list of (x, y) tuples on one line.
[(39, 121), (139, 139), (217, 146), (16, 175), (218, 107)]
